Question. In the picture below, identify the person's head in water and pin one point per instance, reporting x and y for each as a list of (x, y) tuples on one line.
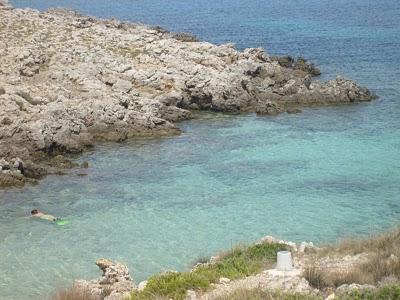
[(34, 212)]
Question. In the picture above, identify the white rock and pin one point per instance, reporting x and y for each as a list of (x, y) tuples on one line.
[(305, 245), (191, 295), (224, 280), (122, 85), (330, 297), (142, 285)]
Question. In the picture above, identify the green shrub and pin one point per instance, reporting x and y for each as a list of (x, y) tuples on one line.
[(237, 263)]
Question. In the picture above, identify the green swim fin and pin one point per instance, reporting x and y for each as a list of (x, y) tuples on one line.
[(62, 222)]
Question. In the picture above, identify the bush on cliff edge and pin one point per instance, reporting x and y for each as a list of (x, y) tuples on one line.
[(237, 263)]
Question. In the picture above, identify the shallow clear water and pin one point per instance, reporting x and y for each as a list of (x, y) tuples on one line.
[(158, 204)]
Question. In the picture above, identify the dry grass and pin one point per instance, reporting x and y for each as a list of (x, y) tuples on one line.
[(72, 294), (382, 261), (259, 294), (375, 243), (315, 276), (321, 278), (382, 264)]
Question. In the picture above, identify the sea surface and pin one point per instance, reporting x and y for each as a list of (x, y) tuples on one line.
[(158, 204)]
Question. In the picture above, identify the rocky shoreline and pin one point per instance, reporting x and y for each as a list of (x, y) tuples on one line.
[(348, 265), (116, 283), (67, 81)]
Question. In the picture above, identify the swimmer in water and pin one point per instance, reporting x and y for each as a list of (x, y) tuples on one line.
[(38, 214)]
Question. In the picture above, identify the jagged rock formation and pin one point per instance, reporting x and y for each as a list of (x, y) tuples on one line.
[(114, 284), (12, 173), (67, 80), (4, 4)]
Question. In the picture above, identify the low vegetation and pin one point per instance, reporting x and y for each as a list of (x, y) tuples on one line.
[(237, 263), (379, 266), (390, 292), (259, 294), (375, 243)]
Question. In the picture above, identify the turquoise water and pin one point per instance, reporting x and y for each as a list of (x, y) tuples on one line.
[(158, 204)]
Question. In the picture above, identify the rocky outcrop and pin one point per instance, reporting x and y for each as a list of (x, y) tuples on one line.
[(271, 280), (4, 4), (297, 64), (114, 284), (12, 172), (311, 266), (68, 80)]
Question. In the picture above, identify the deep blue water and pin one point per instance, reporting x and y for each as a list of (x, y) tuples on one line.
[(157, 204)]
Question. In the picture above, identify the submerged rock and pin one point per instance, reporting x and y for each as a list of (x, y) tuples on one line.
[(115, 283), (293, 110)]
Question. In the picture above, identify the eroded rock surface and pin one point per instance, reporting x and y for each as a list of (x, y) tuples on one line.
[(271, 280), (114, 284), (68, 80)]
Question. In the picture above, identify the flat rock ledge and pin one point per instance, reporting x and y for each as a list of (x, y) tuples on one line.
[(67, 81)]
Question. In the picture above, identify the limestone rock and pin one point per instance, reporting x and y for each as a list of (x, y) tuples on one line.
[(271, 280), (304, 246), (330, 297), (142, 285), (345, 288), (114, 284), (272, 240), (191, 295), (4, 4), (118, 80), (9, 179), (224, 280), (12, 172), (293, 110)]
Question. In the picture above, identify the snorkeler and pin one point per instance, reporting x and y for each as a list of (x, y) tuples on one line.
[(38, 214)]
